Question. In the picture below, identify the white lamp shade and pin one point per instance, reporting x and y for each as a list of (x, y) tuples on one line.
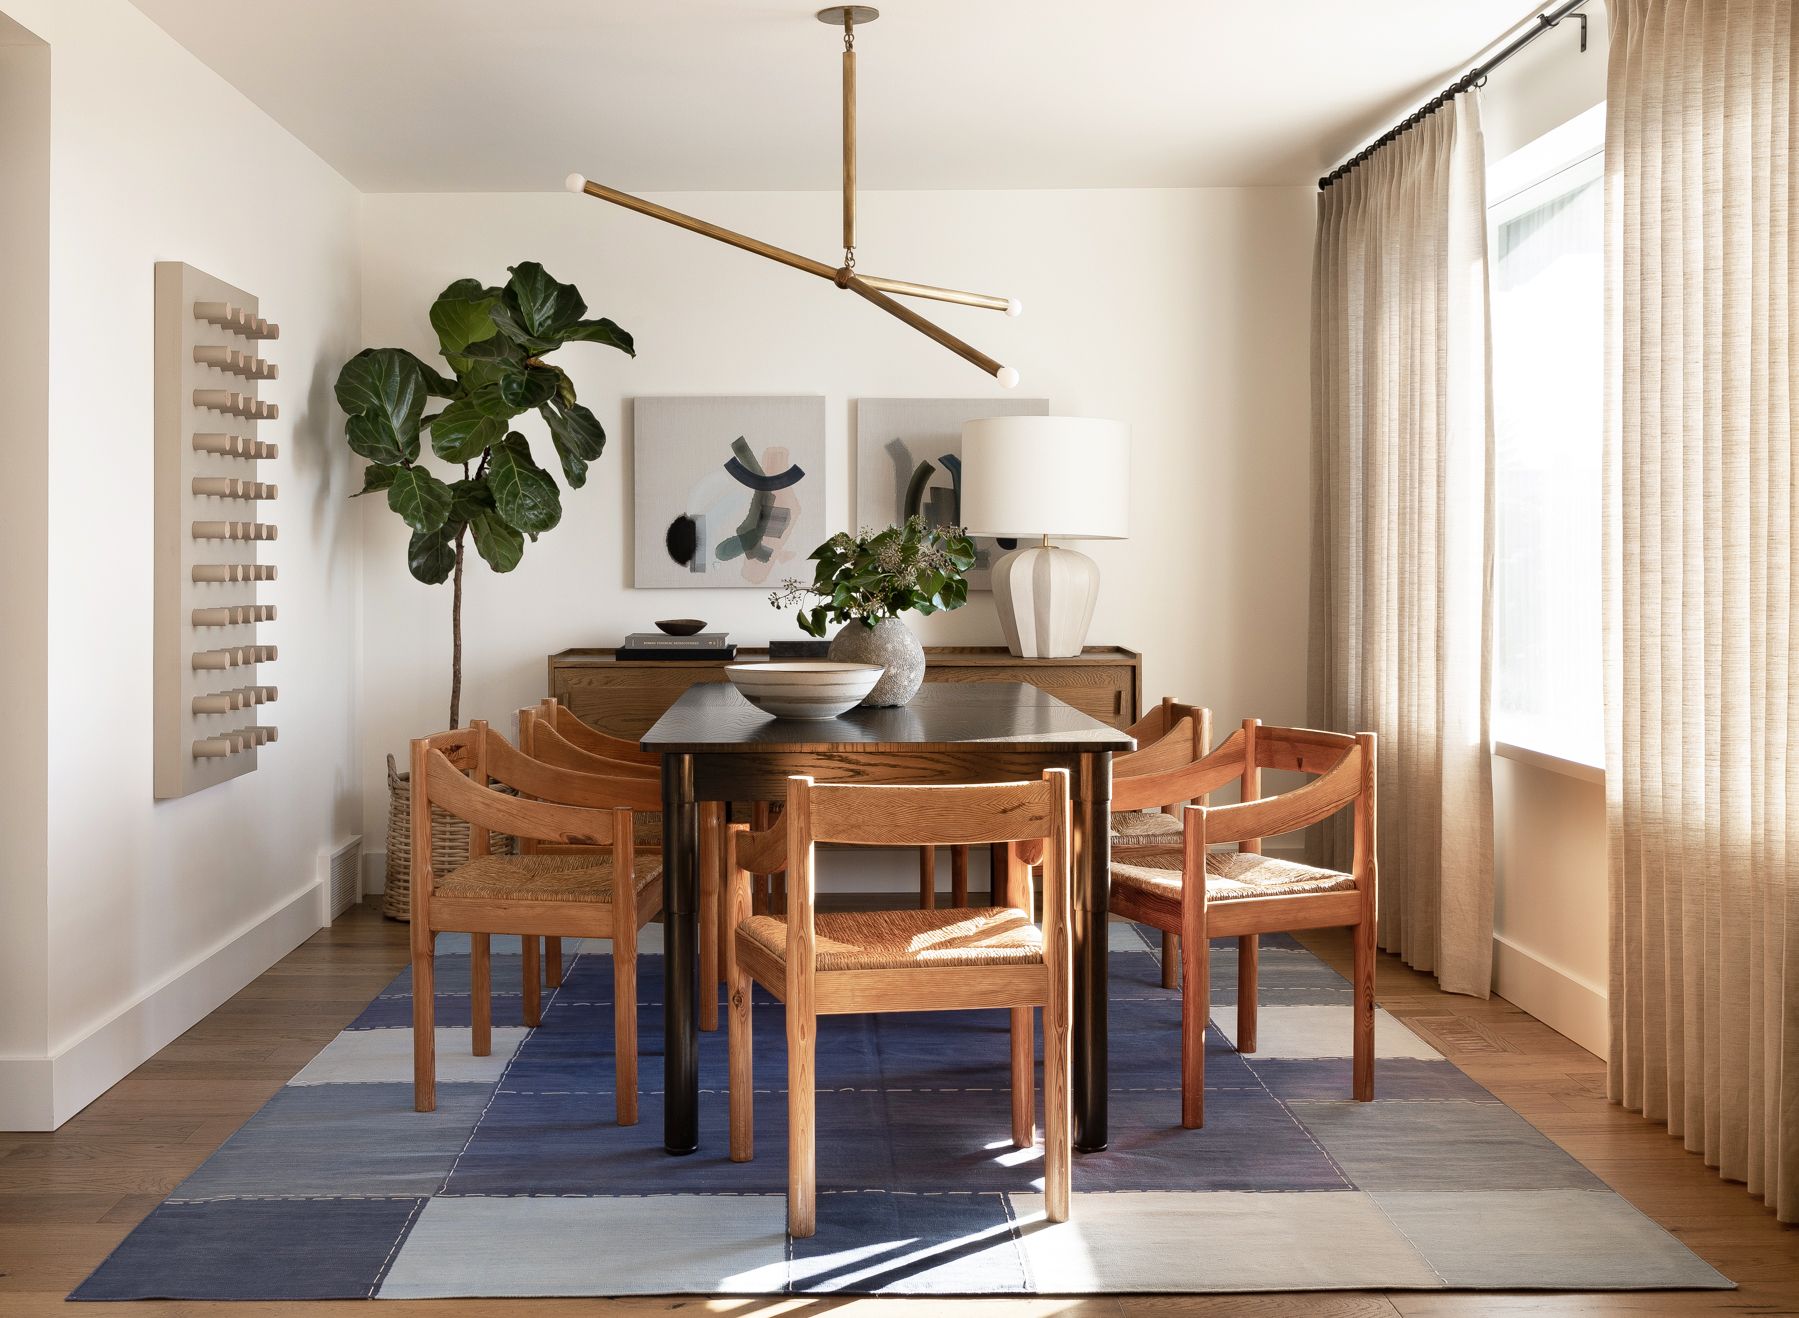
[(1066, 476)]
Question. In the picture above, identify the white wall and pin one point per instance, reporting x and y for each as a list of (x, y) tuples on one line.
[(157, 911), (1550, 908), (1183, 312), (24, 585)]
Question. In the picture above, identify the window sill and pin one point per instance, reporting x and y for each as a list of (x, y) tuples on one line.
[(1587, 773)]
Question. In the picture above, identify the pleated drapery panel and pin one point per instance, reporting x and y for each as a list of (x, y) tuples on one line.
[(1402, 533), (1702, 774)]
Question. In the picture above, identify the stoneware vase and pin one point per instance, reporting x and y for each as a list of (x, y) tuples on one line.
[(891, 644)]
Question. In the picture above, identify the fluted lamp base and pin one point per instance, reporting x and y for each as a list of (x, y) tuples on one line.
[(1045, 596)]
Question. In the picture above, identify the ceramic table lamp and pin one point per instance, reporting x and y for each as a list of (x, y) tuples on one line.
[(1033, 477)]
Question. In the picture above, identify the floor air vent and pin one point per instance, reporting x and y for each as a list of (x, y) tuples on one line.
[(343, 877)]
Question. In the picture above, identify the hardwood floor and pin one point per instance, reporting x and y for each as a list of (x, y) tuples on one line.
[(67, 1198)]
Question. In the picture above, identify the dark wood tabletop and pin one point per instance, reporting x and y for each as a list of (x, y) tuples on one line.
[(714, 718)]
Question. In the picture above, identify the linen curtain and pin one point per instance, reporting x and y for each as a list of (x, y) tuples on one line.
[(1702, 773), (1402, 525)]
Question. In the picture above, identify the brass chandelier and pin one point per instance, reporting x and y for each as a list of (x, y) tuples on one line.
[(872, 287)]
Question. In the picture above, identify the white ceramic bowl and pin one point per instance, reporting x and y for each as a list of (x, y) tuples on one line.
[(804, 688)]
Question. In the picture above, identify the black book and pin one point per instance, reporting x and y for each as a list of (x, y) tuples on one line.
[(629, 651)]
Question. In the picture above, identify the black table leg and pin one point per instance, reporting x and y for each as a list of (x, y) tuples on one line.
[(680, 961), (1091, 856)]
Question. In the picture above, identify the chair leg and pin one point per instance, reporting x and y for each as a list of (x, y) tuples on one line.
[(624, 1018), (480, 991), (1058, 1101), (1362, 1067), (552, 962), (1247, 966), (802, 1107), (742, 1040), (927, 878), (1024, 1077), (958, 876), (533, 984), (1196, 1008), (709, 887), (424, 1021), (1171, 960)]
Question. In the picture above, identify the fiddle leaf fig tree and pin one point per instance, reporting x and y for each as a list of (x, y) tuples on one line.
[(495, 341)]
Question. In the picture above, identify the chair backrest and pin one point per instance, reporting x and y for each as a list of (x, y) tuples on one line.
[(1012, 813), (540, 737), (453, 771), (886, 816), (1182, 735), (1342, 769), (585, 736)]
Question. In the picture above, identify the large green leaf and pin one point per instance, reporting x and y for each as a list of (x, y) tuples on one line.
[(469, 498), (462, 315), (420, 498), (373, 437), (512, 329), (377, 476), (500, 346), (545, 306), (578, 436), (523, 493), (529, 389), (460, 431), (387, 385), (501, 545), (600, 331), (431, 555)]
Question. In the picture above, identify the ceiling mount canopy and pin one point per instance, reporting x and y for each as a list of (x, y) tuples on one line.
[(871, 287)]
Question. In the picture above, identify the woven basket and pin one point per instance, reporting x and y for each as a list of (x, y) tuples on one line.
[(449, 843)]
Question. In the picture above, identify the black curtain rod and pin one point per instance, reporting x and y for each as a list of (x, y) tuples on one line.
[(1473, 78)]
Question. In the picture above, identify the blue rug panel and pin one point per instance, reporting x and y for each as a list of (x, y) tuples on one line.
[(235, 1249)]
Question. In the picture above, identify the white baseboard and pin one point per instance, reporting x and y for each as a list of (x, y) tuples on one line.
[(1566, 1002), (40, 1093)]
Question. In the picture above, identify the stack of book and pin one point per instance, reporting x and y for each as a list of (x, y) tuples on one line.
[(654, 645)]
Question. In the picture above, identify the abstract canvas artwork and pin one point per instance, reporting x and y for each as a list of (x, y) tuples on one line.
[(909, 460), (729, 491)]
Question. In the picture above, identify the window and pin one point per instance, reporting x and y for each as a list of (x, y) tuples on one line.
[(1547, 275)]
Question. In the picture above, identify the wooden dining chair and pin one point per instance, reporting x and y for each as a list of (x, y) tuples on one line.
[(544, 733), (574, 894), (905, 960), (592, 741), (1170, 735), (1200, 894)]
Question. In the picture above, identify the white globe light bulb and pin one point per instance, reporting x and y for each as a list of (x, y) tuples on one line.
[(1007, 377), (1014, 307), (575, 183)]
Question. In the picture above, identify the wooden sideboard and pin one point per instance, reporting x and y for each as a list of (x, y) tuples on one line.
[(625, 698)]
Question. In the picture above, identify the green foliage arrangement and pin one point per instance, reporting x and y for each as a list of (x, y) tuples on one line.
[(881, 574), (495, 341)]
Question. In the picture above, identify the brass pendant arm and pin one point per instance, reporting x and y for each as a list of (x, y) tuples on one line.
[(905, 288), (856, 284), (870, 289), (708, 229)]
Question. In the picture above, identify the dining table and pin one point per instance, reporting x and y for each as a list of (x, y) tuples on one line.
[(717, 747)]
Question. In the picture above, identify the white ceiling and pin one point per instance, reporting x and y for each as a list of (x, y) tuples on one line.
[(655, 95)]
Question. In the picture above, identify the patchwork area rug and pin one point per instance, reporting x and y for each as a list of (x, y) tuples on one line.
[(521, 1185)]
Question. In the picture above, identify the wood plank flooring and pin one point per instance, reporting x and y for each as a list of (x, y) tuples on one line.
[(66, 1199)]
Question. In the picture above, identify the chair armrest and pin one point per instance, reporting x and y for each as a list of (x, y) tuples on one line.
[(1319, 799), (758, 853)]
